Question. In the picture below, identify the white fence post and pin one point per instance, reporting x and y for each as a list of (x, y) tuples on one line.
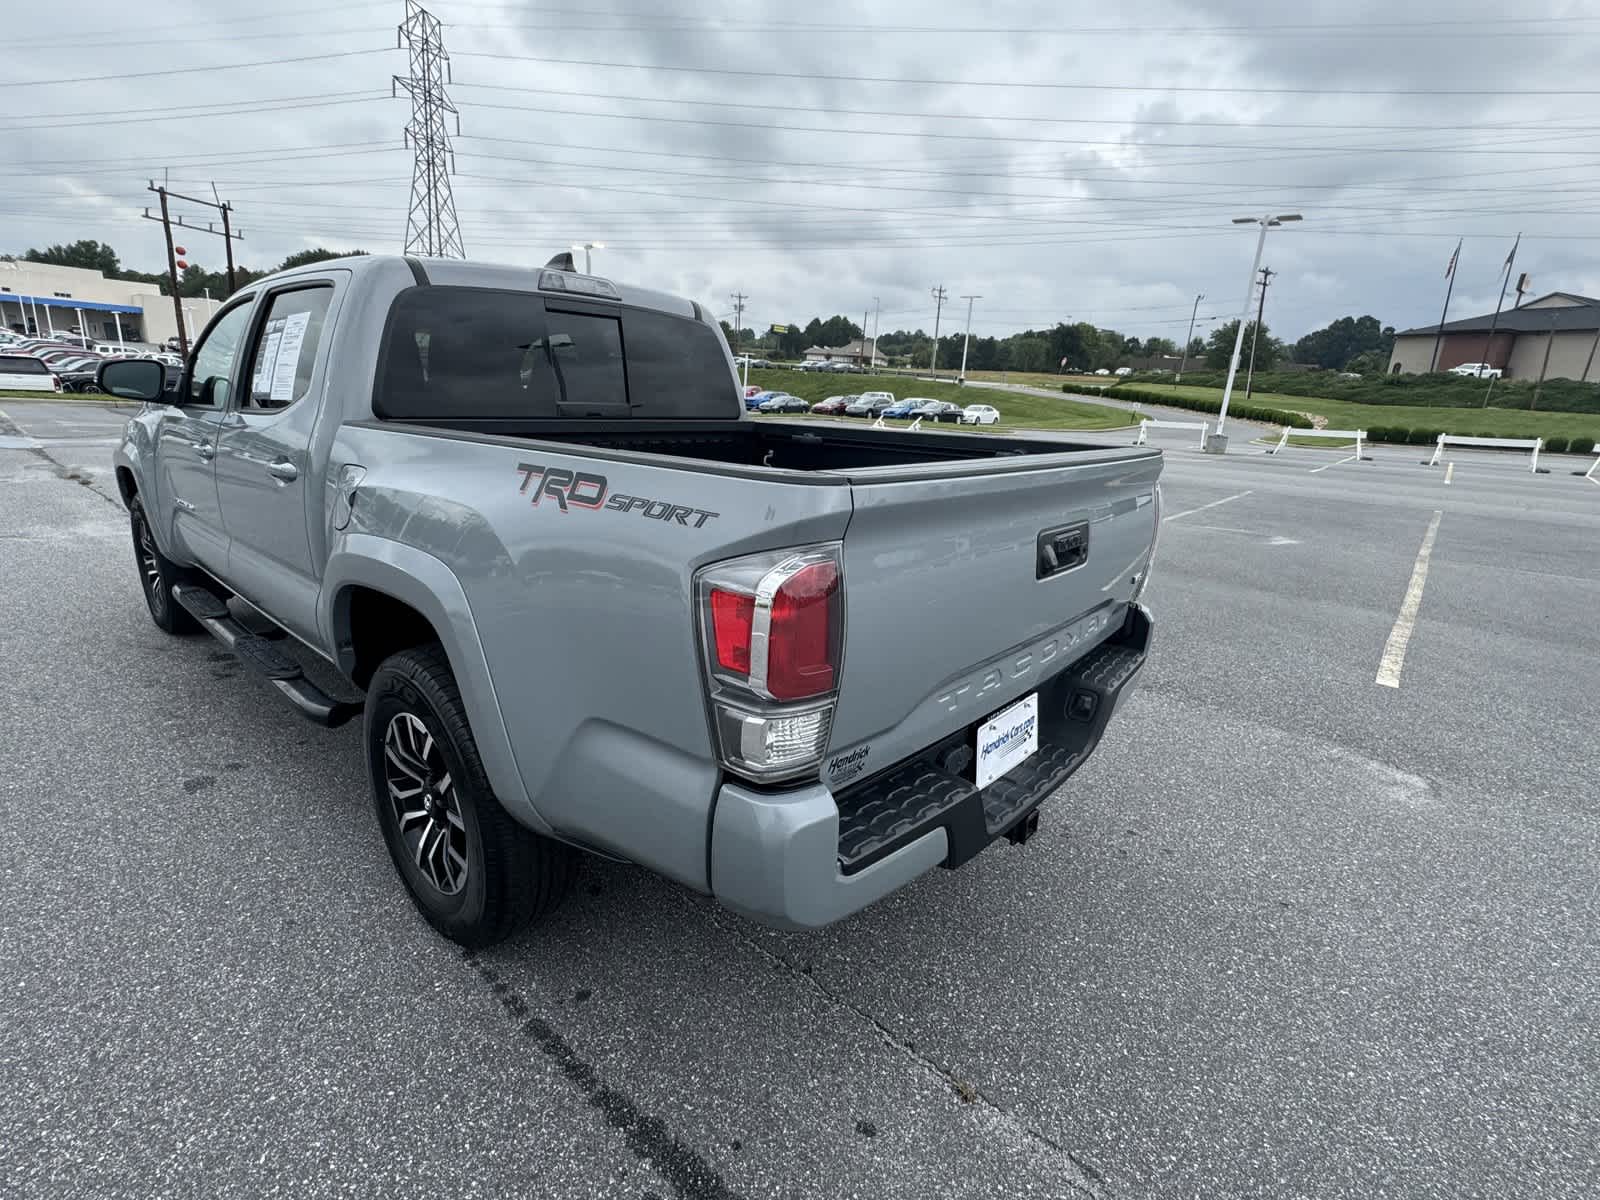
[(915, 425), (1590, 473), (878, 424), (1534, 444), (1149, 423), (1282, 441)]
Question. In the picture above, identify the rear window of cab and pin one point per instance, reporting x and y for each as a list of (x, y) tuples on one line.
[(21, 364), (482, 353)]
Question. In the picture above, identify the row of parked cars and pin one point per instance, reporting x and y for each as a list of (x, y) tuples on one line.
[(65, 363), (872, 404)]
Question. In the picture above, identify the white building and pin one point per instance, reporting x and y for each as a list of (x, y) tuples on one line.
[(40, 298)]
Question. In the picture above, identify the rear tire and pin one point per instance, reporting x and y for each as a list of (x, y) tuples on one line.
[(474, 873), (157, 575)]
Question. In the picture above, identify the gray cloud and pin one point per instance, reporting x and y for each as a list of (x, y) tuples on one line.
[(1114, 208)]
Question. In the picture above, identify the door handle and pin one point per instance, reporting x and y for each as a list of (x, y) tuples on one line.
[(284, 470), (205, 450)]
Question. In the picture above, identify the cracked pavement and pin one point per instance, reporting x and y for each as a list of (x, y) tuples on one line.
[(1288, 934)]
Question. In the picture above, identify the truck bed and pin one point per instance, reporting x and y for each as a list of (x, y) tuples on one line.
[(785, 445)]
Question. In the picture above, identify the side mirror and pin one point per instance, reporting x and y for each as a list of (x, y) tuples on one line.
[(132, 379)]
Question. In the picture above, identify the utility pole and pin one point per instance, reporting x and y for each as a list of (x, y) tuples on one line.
[(431, 225), (738, 318), (1266, 277), (967, 341), (877, 312), (226, 233), (862, 356), (1549, 345), (1189, 337), (172, 274), (939, 296)]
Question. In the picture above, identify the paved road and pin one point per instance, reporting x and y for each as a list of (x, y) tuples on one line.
[(1288, 934)]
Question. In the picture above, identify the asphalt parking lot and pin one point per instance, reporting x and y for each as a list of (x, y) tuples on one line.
[(1292, 932)]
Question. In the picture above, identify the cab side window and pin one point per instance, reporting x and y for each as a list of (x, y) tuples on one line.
[(214, 359), (286, 348)]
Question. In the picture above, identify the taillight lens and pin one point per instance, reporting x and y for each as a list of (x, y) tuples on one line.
[(801, 648), (774, 642), (731, 615)]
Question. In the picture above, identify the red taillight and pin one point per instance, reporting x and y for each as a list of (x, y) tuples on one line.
[(801, 645), (731, 617)]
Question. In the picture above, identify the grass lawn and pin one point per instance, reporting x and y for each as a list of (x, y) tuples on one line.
[(1016, 411), (1480, 422)]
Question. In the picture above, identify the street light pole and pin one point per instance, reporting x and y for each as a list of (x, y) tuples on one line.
[(967, 341), (586, 247), (1189, 337), (1266, 222)]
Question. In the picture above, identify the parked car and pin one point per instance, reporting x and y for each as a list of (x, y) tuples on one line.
[(759, 362), (785, 403), (753, 390), (752, 403), (26, 373), (1477, 369), (903, 408), (979, 414), (538, 624), (869, 404), (1123, 371), (833, 406), (939, 410), (1102, 371)]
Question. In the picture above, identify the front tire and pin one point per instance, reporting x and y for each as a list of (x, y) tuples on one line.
[(474, 873), (157, 575)]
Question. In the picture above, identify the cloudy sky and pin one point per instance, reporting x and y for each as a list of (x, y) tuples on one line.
[(1057, 159)]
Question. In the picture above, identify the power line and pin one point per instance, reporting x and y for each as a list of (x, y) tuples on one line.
[(188, 70), (1117, 120), (1032, 84)]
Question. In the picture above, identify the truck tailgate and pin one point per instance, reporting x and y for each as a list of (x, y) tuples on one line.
[(947, 617)]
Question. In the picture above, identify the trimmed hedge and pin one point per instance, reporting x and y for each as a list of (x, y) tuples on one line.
[(1245, 412), (1555, 445), (1581, 445), (1437, 390)]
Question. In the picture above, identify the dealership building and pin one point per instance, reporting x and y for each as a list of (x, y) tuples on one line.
[(1564, 324), (41, 299)]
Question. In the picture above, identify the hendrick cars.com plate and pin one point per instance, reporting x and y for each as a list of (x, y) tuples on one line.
[(1007, 738)]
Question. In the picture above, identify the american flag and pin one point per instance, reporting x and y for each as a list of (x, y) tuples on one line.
[(1451, 269), (1512, 257)]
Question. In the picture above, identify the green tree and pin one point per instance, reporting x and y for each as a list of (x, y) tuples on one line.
[(87, 254), (1336, 344), (1219, 348), (1157, 346), (304, 257)]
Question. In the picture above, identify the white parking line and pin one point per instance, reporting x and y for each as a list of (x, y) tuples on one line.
[(1394, 651), (1189, 512), (1449, 470), (1325, 466)]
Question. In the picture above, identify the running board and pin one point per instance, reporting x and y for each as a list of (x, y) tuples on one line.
[(262, 656)]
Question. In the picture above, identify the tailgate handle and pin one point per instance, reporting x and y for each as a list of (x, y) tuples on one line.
[(1063, 549)]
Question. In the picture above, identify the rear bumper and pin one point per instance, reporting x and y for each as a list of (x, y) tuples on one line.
[(803, 858)]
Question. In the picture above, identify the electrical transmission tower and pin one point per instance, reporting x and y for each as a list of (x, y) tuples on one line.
[(431, 225)]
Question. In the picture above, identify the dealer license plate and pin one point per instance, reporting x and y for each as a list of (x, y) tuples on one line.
[(1007, 738)]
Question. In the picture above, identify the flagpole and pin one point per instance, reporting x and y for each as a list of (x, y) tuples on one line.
[(1495, 320), (1433, 365)]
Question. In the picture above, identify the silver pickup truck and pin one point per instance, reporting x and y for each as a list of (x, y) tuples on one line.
[(586, 602)]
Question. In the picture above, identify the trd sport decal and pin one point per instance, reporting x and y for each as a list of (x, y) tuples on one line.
[(582, 490)]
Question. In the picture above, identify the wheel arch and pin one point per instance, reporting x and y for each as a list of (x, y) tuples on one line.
[(380, 596)]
